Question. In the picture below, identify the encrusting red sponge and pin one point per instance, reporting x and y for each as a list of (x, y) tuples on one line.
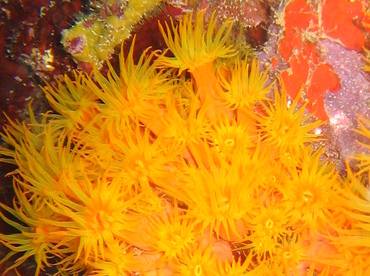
[(305, 25)]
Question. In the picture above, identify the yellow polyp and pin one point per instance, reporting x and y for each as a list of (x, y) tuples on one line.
[(209, 90), (235, 231), (229, 142), (192, 45), (363, 158), (155, 119), (245, 85), (307, 195), (198, 270), (206, 81), (286, 127), (269, 224)]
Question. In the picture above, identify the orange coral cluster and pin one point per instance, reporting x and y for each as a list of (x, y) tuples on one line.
[(173, 164), (305, 23)]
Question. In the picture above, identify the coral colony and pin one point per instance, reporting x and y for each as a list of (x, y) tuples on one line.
[(188, 162)]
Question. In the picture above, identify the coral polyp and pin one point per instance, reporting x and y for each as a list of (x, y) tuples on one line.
[(187, 162)]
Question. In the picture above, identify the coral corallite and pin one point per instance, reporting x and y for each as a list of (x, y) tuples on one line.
[(182, 164)]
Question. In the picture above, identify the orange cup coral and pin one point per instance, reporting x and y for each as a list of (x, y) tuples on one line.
[(174, 165)]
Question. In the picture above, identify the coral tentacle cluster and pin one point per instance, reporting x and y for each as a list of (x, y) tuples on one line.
[(182, 164)]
